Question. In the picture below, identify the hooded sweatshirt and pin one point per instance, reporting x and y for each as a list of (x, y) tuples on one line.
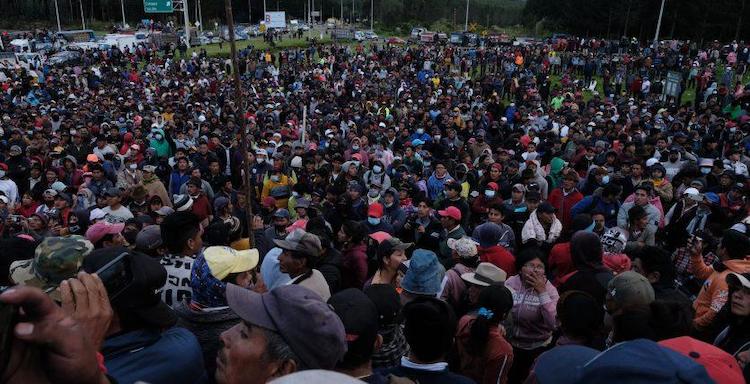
[(394, 215), (715, 291), (161, 147)]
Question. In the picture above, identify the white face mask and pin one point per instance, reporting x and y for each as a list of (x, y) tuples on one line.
[(420, 131), (260, 160), (489, 193), (355, 147), (158, 136), (275, 178), (437, 137), (377, 169), (133, 166), (2, 173)]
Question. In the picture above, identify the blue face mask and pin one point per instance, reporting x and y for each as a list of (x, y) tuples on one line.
[(605, 179), (705, 171), (373, 220)]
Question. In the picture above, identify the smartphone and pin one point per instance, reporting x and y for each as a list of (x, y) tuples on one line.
[(8, 319), (116, 275)]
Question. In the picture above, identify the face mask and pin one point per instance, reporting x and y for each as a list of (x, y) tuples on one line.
[(388, 205), (480, 172), (489, 193), (427, 163), (373, 220), (133, 166), (373, 194), (437, 137), (260, 160), (377, 169), (356, 164), (275, 178), (355, 147), (158, 136), (2, 174), (732, 130), (295, 194), (705, 171), (269, 151), (420, 131), (605, 179)]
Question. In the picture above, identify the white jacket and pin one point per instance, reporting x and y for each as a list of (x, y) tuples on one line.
[(533, 229)]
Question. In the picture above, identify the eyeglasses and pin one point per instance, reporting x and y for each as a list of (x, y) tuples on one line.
[(534, 267)]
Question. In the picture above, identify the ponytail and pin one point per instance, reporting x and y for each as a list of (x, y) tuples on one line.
[(495, 302), (479, 331)]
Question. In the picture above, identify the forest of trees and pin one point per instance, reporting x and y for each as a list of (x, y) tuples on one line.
[(683, 19), (23, 14)]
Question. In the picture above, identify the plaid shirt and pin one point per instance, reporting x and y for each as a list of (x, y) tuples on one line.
[(682, 264), (394, 347)]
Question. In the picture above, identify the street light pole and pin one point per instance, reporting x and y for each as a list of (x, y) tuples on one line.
[(372, 13), (238, 99), (466, 22), (83, 21), (122, 7), (57, 13), (658, 25)]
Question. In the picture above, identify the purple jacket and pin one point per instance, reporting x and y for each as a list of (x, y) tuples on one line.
[(534, 315)]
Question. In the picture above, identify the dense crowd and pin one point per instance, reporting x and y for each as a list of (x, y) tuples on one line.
[(540, 213)]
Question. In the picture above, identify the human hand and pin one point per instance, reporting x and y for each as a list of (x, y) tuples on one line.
[(63, 353), (85, 300), (421, 229), (695, 246), (539, 283), (743, 358)]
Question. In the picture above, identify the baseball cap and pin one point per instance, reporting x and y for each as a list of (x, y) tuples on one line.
[(149, 168), (360, 318), (223, 260), (100, 229), (302, 203), (164, 211), (220, 203), (720, 365), (519, 187), (149, 238), (300, 241), (693, 194), (630, 289), (113, 191), (465, 247), (55, 259), (485, 275), (451, 212), (545, 207), (635, 361), (282, 212), (487, 235), (97, 214), (50, 192), (141, 297), (375, 210), (319, 341), (380, 236), (388, 246), (268, 202)]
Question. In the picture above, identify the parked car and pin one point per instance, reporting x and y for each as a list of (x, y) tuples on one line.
[(396, 41), (370, 35), (64, 58), (415, 32), (359, 36)]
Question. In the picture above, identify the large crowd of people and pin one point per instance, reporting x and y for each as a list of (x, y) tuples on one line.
[(537, 213)]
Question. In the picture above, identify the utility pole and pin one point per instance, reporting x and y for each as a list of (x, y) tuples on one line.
[(250, 11), (83, 21), (238, 100), (658, 25), (372, 14), (342, 11), (122, 7), (466, 22), (57, 13)]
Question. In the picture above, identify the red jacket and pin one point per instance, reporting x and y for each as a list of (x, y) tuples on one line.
[(500, 257), (560, 262), (563, 204)]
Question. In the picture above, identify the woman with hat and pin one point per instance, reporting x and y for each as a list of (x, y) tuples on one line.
[(735, 336), (534, 312), (481, 351), (391, 254)]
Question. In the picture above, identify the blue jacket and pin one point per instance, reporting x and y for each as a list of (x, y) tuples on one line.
[(176, 181), (593, 203), (172, 356), (436, 186)]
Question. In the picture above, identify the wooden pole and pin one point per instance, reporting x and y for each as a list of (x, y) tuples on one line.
[(243, 130)]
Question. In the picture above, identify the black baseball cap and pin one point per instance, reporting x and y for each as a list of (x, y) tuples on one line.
[(546, 207), (141, 297), (360, 318)]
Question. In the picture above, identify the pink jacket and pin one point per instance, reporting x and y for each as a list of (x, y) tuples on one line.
[(534, 315)]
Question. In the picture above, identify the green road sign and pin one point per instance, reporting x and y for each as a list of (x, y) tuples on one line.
[(157, 6)]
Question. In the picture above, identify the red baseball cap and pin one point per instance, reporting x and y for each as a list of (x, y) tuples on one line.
[(268, 202), (720, 365), (493, 186), (451, 212), (375, 210)]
